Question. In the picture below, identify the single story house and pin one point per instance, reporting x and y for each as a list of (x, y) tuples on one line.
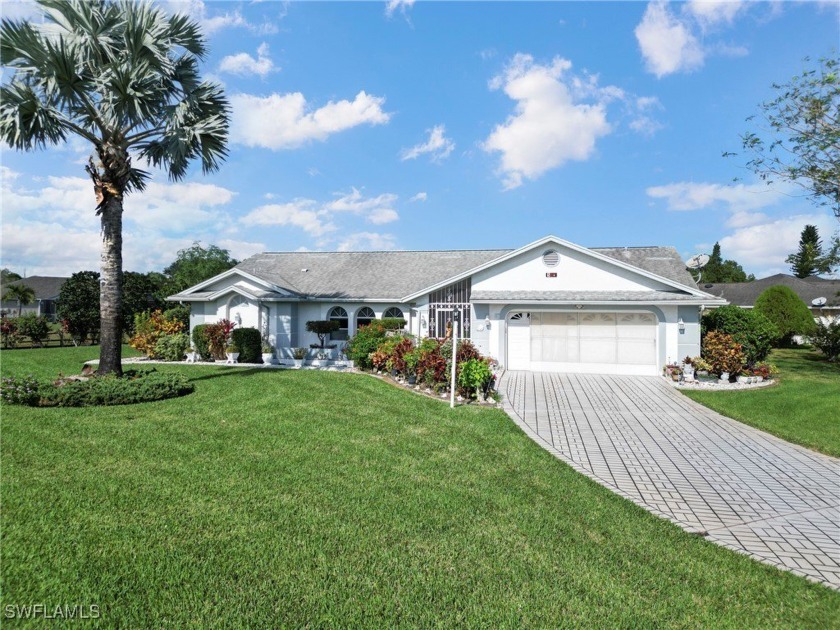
[(745, 294), (549, 306), (47, 290)]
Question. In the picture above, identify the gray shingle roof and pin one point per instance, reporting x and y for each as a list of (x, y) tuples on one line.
[(746, 293), (663, 261), (45, 287), (391, 275), (363, 275), (581, 296)]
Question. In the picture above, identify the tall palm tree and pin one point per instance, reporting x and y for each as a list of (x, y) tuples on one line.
[(22, 293), (124, 76)]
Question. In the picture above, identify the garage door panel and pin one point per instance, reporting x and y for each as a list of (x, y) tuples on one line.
[(612, 342)]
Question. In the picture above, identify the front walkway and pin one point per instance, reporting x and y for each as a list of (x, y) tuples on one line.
[(742, 488)]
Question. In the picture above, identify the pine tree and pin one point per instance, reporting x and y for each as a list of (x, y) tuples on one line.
[(810, 259)]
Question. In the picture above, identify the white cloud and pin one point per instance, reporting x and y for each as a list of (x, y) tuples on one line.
[(438, 146), (378, 210), (697, 196), (50, 226), (20, 10), (244, 64), (213, 23), (550, 125), (319, 219), (421, 196), (667, 44), (367, 241), (712, 12), (302, 213), (764, 246), (391, 6), (643, 121), (283, 121)]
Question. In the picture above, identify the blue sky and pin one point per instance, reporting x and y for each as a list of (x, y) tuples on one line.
[(457, 125)]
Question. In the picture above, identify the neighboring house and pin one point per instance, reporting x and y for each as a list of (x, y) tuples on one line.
[(745, 294), (46, 288), (551, 305)]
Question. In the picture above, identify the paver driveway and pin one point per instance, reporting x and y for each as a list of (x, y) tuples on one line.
[(741, 487)]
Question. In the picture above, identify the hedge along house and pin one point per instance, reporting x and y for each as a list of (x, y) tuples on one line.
[(548, 306)]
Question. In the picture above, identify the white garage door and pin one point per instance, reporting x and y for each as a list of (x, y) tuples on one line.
[(606, 343)]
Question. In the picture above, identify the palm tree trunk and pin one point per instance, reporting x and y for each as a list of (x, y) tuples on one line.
[(110, 287)]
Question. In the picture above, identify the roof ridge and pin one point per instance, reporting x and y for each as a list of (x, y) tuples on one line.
[(393, 251)]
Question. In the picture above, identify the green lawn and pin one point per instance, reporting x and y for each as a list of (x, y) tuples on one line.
[(804, 408), (283, 498)]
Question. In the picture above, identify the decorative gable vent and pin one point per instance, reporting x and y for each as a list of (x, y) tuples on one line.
[(551, 258)]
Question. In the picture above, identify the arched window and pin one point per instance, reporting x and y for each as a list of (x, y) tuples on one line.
[(365, 316), (338, 314), (393, 312)]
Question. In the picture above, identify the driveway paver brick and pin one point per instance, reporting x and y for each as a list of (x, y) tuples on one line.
[(738, 486)]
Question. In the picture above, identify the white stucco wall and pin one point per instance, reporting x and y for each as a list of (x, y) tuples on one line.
[(575, 272)]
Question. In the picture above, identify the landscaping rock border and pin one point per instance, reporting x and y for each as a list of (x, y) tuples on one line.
[(717, 386)]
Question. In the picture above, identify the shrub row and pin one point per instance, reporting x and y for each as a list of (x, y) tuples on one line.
[(36, 327), (135, 386), (379, 347)]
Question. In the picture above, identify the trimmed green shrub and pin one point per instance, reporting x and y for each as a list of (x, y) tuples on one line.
[(172, 347), (392, 323), (826, 338), (748, 327), (35, 327), (249, 342), (787, 311), (201, 341), (134, 386), (366, 340)]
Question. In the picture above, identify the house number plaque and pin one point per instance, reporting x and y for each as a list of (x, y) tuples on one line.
[(550, 274)]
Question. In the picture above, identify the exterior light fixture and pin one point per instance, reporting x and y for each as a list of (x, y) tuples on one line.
[(681, 325), (487, 322), (578, 306), (238, 319), (423, 322)]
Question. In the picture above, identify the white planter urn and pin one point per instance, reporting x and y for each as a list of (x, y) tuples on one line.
[(724, 376), (744, 379), (232, 357), (192, 357), (268, 358)]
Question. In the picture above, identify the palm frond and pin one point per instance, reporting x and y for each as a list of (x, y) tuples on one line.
[(27, 122)]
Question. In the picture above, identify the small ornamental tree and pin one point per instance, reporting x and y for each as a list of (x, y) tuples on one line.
[(787, 311), (366, 340), (322, 328), (748, 327), (8, 332), (78, 305)]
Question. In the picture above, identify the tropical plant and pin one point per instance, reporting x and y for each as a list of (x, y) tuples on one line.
[(322, 328), (789, 314), (37, 328), (474, 375), (149, 328), (22, 294), (723, 353), (8, 332), (78, 305), (748, 327), (124, 77), (180, 313), (826, 338)]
